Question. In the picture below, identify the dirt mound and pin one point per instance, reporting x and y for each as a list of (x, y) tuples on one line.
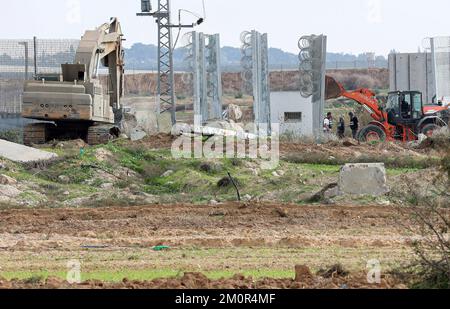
[(361, 78), (158, 141), (346, 151), (441, 142), (303, 274), (351, 149), (200, 281), (334, 271)]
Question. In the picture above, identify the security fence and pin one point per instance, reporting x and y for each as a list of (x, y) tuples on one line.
[(22, 60)]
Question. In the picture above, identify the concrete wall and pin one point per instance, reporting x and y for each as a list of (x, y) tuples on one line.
[(292, 102), (412, 72)]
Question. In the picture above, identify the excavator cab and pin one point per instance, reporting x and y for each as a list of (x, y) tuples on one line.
[(404, 108)]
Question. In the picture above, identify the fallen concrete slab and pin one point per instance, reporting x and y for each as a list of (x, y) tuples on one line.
[(137, 135), (363, 179), (23, 154)]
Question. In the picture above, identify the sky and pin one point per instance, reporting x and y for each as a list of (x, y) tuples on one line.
[(352, 26)]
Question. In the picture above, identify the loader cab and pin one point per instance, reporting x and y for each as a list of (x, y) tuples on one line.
[(404, 108)]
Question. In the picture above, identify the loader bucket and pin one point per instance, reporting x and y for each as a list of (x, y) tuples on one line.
[(333, 89)]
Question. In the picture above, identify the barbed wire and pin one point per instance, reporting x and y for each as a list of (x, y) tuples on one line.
[(307, 60), (247, 61)]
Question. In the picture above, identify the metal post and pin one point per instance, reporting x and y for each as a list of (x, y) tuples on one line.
[(322, 79), (203, 78), (25, 45), (196, 78), (265, 84), (218, 103), (215, 77), (258, 68), (207, 81), (312, 75), (256, 76), (35, 47)]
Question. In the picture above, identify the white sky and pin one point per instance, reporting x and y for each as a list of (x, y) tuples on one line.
[(352, 26)]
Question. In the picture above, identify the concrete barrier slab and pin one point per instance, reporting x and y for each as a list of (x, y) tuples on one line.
[(363, 179), (20, 153)]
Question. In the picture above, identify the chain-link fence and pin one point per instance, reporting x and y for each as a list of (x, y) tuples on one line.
[(22, 60)]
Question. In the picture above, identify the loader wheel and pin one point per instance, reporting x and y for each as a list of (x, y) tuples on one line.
[(371, 134), (358, 134), (429, 129)]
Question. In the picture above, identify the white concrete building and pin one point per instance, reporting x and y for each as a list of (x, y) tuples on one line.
[(293, 113)]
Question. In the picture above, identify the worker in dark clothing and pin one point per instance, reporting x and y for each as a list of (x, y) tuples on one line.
[(341, 128), (354, 124)]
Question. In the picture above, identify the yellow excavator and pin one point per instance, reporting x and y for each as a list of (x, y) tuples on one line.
[(82, 102)]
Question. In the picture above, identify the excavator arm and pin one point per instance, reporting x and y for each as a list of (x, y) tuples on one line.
[(363, 96), (104, 45)]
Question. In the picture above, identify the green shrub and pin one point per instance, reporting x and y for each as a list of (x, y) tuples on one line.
[(14, 136)]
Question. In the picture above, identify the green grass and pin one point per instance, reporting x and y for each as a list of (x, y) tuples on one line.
[(390, 162), (401, 171), (190, 181), (326, 168), (147, 275)]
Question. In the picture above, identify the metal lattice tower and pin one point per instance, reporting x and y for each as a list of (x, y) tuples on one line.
[(166, 80), (166, 89)]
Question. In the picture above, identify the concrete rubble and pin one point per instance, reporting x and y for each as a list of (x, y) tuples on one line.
[(23, 154), (358, 179), (138, 124), (6, 180), (234, 113), (363, 179), (7, 192), (137, 135)]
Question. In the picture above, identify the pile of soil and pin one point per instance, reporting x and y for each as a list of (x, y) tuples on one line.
[(351, 151), (436, 143), (158, 141), (200, 281)]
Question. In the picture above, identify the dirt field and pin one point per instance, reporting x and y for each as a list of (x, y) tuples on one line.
[(255, 240), (132, 216)]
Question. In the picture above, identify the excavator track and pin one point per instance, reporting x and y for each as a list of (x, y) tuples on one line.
[(98, 135), (37, 133)]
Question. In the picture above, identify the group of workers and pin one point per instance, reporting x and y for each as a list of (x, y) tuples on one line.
[(341, 127)]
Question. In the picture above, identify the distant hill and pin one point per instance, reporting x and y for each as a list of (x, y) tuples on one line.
[(144, 57)]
